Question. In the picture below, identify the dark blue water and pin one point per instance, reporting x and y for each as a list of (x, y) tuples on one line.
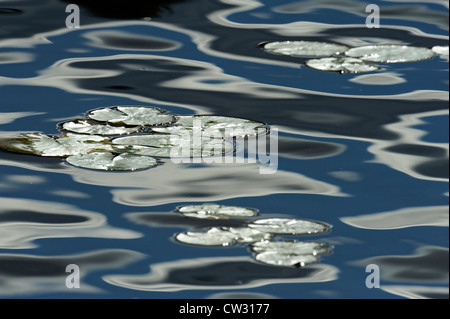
[(365, 153)]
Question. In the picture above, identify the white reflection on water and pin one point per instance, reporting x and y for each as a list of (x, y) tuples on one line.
[(22, 274), (417, 292), (41, 219), (402, 218), (6, 118), (219, 273), (408, 134)]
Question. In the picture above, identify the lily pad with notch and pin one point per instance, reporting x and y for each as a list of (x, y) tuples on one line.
[(389, 53), (65, 145), (304, 48), (213, 126), (132, 115), (86, 126), (289, 226), (341, 65), (112, 162), (214, 211)]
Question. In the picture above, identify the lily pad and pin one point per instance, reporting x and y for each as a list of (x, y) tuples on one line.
[(277, 258), (247, 235), (173, 146), (390, 53), (212, 237), (341, 64), (131, 115), (112, 162), (292, 247), (289, 226), (83, 126), (304, 48), (214, 126), (441, 50), (214, 211), (57, 146)]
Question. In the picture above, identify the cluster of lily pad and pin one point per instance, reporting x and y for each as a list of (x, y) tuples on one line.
[(343, 59), (126, 138), (259, 234)]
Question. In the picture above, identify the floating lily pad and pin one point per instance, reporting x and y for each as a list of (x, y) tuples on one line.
[(172, 146), (292, 247), (112, 162), (441, 50), (131, 115), (214, 211), (289, 226), (390, 53), (214, 126), (341, 64), (280, 259), (57, 146), (304, 48), (83, 126), (212, 237), (247, 235)]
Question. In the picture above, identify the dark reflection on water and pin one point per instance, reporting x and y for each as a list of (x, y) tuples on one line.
[(367, 153), (219, 273)]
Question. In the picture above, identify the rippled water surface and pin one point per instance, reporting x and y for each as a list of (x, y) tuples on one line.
[(365, 153)]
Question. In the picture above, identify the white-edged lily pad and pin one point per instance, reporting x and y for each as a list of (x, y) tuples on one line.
[(247, 235), (276, 258), (57, 146), (388, 53), (341, 64), (83, 126), (212, 237), (304, 48), (214, 126), (289, 226), (172, 146), (292, 247), (131, 115), (214, 211), (441, 50), (112, 162)]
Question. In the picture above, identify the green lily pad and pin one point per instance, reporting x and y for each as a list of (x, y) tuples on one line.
[(289, 226), (112, 162), (304, 48), (390, 53), (341, 64), (57, 146), (214, 211), (214, 126), (172, 146), (131, 115), (83, 126)]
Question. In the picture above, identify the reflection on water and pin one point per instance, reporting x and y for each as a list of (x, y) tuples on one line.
[(219, 273), (24, 274), (367, 153)]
